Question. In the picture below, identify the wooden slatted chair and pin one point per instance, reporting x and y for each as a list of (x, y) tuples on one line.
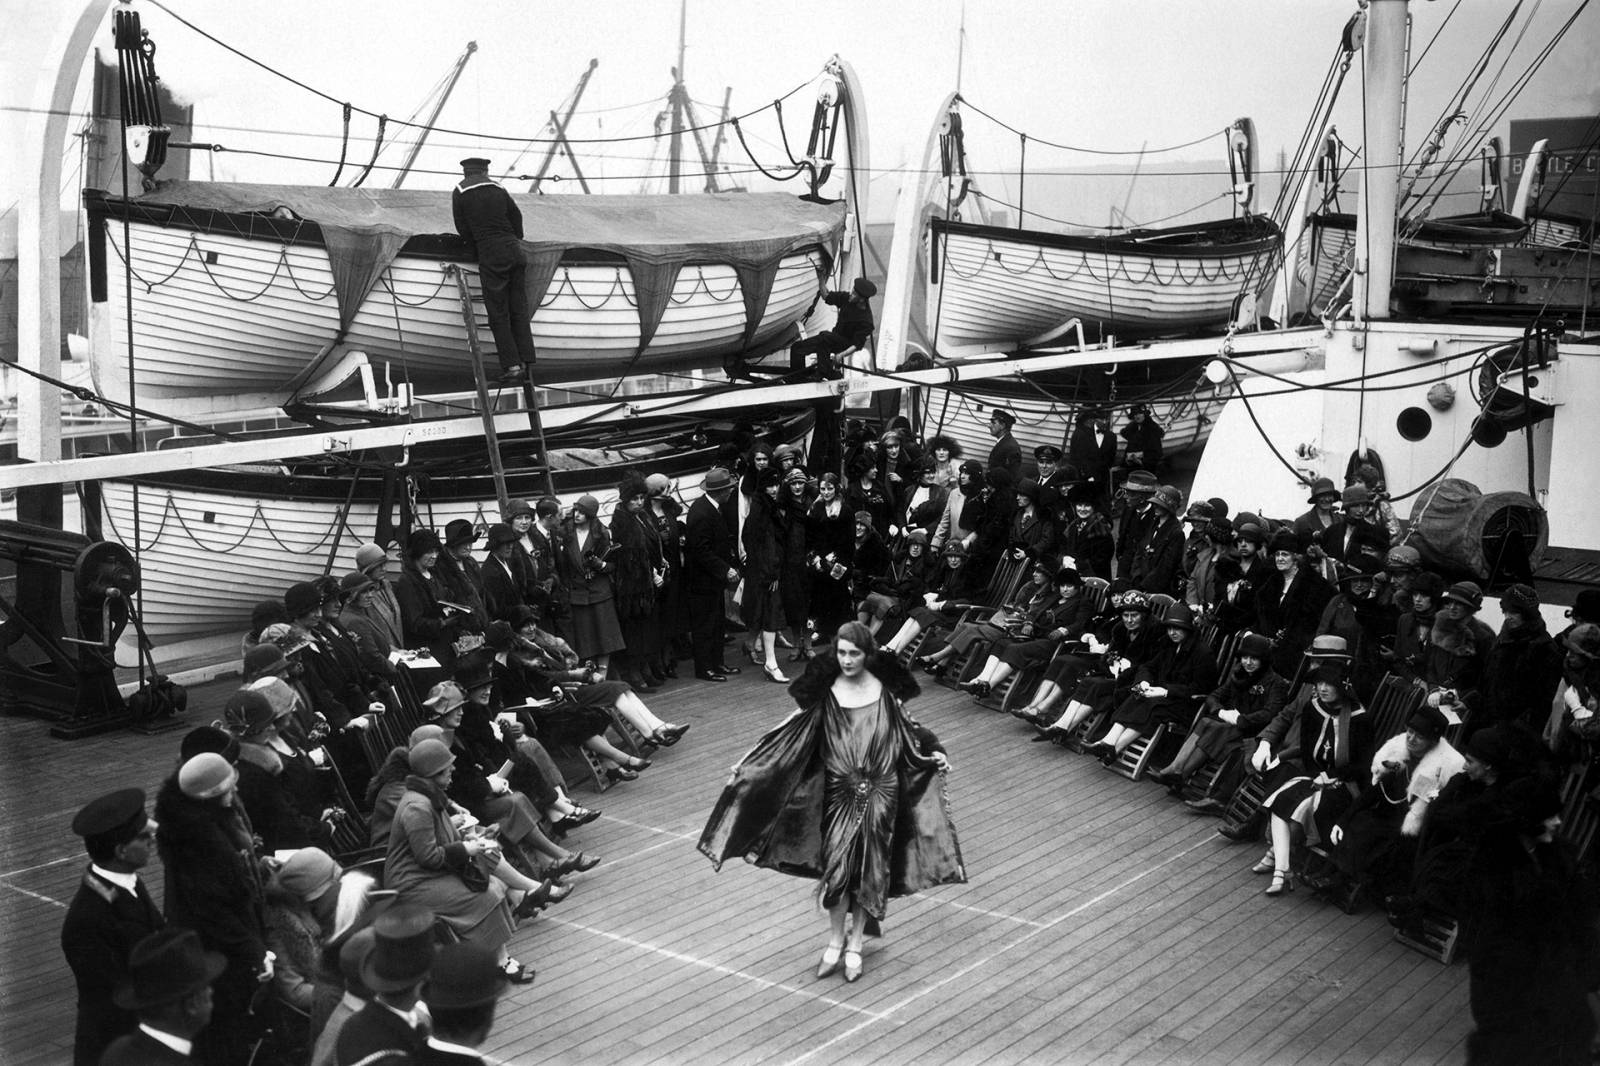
[(1441, 937), (1246, 800), (1159, 603), (1003, 584), (1396, 700), (1132, 760), (1203, 780), (351, 837), (1098, 590), (1091, 729)]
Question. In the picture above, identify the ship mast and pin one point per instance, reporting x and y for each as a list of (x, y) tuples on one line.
[(1383, 48), (679, 100), (427, 127)]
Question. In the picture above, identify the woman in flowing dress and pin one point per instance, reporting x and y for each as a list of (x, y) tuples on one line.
[(848, 790)]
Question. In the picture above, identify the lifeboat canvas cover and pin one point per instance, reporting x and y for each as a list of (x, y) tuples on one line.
[(656, 236)]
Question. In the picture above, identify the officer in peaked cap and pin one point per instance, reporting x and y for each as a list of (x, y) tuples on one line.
[(111, 912)]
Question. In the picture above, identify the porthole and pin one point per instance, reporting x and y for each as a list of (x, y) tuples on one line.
[(1414, 423)]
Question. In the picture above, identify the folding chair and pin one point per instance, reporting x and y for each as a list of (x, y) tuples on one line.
[(1132, 760), (1246, 800), (1203, 780), (1396, 700), (1441, 937), (1098, 591)]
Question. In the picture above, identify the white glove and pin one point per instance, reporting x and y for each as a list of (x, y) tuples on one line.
[(498, 785), (1229, 717), (1337, 836), (1155, 692), (377, 707), (363, 722), (1263, 755), (267, 968)]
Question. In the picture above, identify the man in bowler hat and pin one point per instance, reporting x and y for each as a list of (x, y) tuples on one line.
[(111, 912), (486, 215), (388, 1031), (168, 988), (462, 992)]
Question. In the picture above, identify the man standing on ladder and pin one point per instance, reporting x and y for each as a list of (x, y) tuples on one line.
[(486, 215)]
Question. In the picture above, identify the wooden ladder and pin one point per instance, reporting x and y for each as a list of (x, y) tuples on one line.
[(530, 395)]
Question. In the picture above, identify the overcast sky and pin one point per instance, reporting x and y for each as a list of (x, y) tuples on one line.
[(1108, 74)]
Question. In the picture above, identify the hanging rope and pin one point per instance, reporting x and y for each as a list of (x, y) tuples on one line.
[(1088, 151), (344, 147), (738, 128), (377, 146)]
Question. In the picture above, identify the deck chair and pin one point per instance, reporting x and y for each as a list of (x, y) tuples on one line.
[(1009, 574), (1203, 780), (1441, 937), (1098, 590), (1246, 800), (350, 840), (1002, 583), (1133, 759), (1396, 700), (1159, 603)]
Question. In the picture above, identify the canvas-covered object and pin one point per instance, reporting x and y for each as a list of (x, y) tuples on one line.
[(1449, 521), (656, 236)]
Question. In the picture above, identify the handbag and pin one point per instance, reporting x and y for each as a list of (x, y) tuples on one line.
[(474, 876)]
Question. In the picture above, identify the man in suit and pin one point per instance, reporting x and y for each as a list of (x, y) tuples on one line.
[(111, 912), (169, 988), (486, 215), (388, 1031), (710, 566), (1093, 451), (462, 992), (1007, 453), (544, 588), (352, 955)]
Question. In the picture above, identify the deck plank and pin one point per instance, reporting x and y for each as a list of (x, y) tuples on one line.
[(1102, 923)]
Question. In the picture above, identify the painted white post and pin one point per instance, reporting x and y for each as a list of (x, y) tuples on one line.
[(39, 235), (1384, 65)]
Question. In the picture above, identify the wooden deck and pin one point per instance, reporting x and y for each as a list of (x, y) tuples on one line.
[(1103, 923)]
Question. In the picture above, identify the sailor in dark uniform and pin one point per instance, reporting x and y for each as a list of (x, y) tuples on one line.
[(1007, 453), (486, 215), (851, 329), (111, 912)]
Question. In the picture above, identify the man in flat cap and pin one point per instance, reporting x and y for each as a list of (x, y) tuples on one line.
[(111, 912), (486, 215), (851, 329)]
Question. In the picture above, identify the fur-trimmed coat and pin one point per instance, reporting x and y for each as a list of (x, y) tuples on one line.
[(213, 876), (1439, 765)]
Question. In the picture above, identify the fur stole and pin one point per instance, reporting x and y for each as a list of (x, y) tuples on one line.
[(1439, 765), (813, 684)]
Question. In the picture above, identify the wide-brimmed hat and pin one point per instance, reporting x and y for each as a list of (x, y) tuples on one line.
[(402, 950), (460, 531), (1323, 486), (1332, 672), (443, 698), (1491, 746), (1199, 512), (517, 507), (1082, 492), (499, 534), (463, 975), (167, 965), (717, 479), (288, 637), (917, 536)]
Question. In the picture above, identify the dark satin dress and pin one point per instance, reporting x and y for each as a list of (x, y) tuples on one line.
[(861, 755)]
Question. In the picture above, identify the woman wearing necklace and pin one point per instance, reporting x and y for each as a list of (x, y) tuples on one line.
[(847, 790)]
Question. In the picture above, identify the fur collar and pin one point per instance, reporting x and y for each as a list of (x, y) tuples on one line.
[(811, 687), (262, 757)]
